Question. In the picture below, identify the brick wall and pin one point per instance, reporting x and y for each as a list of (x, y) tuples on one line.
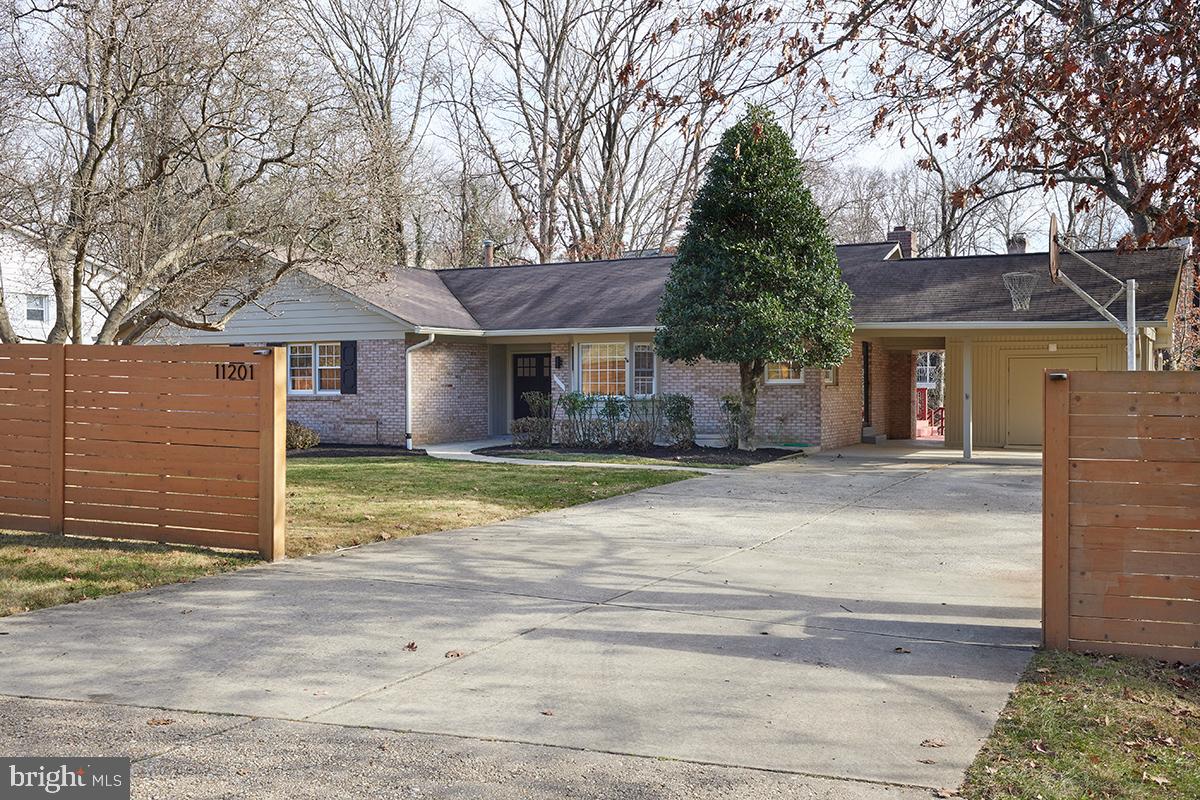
[(901, 394), (879, 388), (450, 392), (841, 404), (786, 412), (373, 416), (559, 350)]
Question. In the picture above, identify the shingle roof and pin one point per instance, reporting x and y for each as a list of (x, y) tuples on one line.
[(971, 288), (416, 295), (626, 292)]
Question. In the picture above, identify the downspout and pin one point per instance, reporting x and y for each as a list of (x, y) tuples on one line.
[(408, 351)]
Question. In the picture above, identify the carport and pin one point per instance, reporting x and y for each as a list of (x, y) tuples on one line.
[(995, 356)]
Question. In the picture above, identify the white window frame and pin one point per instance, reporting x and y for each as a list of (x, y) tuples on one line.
[(781, 381), (643, 347), (43, 307), (830, 376), (314, 352), (583, 359)]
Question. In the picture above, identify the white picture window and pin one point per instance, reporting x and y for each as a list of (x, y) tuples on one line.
[(785, 372), (315, 368), (37, 307), (643, 370), (602, 368)]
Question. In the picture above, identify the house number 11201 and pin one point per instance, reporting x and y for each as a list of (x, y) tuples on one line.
[(235, 371)]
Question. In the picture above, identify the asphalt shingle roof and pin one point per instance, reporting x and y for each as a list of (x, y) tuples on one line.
[(626, 292), (971, 288)]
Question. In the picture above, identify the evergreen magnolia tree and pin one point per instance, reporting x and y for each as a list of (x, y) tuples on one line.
[(757, 279)]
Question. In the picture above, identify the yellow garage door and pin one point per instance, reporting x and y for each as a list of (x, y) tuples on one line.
[(1025, 393)]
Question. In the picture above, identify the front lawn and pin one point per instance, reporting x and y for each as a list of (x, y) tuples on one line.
[(335, 502), (1082, 726), (332, 502)]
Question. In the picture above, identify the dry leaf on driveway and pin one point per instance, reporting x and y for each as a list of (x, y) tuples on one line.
[(455, 654), (933, 743)]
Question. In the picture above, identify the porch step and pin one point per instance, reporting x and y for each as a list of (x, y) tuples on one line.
[(869, 436)]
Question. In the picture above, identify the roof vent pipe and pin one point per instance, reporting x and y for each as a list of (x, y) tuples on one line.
[(489, 252), (1016, 244)]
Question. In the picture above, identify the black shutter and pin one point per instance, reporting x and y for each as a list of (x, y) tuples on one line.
[(349, 367)]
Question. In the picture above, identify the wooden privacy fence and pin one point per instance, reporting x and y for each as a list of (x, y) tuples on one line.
[(168, 444), (1121, 514)]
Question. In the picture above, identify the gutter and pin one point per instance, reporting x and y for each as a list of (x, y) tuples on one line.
[(408, 350)]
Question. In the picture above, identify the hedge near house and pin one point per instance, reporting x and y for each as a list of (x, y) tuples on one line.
[(757, 278)]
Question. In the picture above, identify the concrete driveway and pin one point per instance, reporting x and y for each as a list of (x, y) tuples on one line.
[(797, 629)]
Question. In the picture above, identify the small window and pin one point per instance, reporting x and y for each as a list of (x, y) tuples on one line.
[(315, 368), (329, 367), (785, 372), (300, 368), (831, 376), (36, 307), (643, 370), (602, 368)]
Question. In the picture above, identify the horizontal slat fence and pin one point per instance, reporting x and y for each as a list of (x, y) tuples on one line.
[(170, 444), (1121, 516)]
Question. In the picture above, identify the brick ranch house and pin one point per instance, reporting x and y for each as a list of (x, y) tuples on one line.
[(445, 355)]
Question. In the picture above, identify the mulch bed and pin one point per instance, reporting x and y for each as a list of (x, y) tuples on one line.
[(353, 451), (691, 455)]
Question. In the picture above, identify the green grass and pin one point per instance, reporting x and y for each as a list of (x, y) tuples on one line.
[(332, 502), (39, 570), (1082, 726), (611, 458)]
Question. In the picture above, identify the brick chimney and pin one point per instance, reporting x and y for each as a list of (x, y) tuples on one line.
[(1016, 244), (489, 252), (905, 238)]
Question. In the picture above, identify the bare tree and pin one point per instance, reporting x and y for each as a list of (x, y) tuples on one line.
[(385, 59), (158, 139)]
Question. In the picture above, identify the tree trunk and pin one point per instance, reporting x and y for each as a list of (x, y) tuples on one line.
[(751, 373)]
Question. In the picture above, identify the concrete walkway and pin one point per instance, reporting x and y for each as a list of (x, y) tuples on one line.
[(795, 629), (462, 451)]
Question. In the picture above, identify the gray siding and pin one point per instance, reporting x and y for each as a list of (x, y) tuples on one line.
[(498, 387), (299, 309)]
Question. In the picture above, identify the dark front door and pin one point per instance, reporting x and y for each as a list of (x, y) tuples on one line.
[(531, 373)]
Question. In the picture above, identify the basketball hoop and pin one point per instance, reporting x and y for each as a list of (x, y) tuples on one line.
[(1020, 286)]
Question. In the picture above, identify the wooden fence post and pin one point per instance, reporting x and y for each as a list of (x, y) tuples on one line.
[(272, 472), (57, 443), (1056, 571)]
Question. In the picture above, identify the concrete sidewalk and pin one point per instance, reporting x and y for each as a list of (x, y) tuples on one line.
[(795, 629)]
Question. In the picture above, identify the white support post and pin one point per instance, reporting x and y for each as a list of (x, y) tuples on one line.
[(1131, 337), (966, 398)]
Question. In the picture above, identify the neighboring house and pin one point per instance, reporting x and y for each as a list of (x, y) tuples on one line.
[(28, 289), (453, 350)]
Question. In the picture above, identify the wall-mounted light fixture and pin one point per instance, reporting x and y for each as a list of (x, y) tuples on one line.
[(558, 362)]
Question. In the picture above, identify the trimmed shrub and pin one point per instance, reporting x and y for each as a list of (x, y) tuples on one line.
[(532, 431), (540, 404), (731, 411), (300, 437), (678, 413)]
